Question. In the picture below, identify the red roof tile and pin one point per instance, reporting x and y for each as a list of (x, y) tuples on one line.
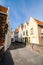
[(17, 30), (39, 22), (3, 9)]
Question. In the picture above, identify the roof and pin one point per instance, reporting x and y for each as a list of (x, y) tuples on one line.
[(21, 26), (3, 9), (27, 23), (39, 22), (17, 30)]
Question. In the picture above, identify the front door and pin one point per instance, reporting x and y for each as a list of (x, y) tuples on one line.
[(26, 40)]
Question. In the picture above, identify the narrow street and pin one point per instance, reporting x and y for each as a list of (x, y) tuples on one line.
[(18, 54)]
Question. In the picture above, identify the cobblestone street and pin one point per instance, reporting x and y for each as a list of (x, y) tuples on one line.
[(20, 55)]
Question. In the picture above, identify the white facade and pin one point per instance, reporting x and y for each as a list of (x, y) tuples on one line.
[(20, 34), (33, 31), (25, 28), (25, 31)]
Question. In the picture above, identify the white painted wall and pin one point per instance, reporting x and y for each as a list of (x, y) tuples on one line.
[(34, 38), (20, 34), (24, 29)]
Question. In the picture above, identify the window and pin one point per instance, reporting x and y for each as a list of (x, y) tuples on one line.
[(23, 32), (27, 32), (31, 31)]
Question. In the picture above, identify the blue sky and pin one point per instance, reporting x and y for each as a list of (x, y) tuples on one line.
[(21, 10)]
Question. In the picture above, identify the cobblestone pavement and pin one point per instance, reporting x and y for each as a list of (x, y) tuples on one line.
[(21, 56)]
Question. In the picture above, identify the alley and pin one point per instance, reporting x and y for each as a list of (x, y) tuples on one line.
[(18, 54)]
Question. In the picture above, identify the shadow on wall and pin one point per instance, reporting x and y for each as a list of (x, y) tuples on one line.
[(17, 45), (7, 59)]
